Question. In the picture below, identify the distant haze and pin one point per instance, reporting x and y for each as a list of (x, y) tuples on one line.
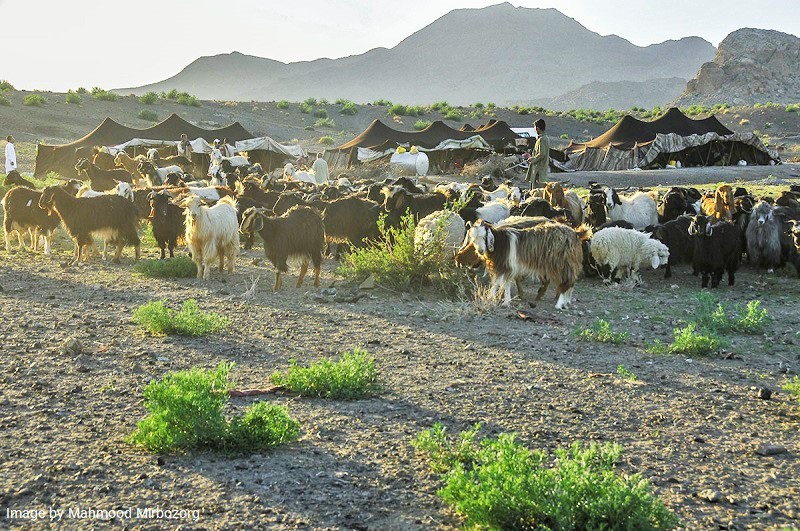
[(54, 45)]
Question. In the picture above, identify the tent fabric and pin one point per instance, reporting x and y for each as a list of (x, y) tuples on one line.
[(62, 158), (473, 142), (265, 143), (632, 143), (199, 145)]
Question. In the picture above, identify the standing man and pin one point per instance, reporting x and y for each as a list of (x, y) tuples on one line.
[(11, 155), (539, 163), (184, 147)]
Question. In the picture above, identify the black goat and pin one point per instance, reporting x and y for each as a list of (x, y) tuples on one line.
[(675, 235), (351, 220), (717, 248), (169, 223), (15, 179), (22, 213), (398, 200)]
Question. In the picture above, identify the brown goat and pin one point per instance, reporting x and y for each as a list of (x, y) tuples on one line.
[(555, 194), (722, 205)]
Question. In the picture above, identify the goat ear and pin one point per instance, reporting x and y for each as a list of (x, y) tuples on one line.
[(655, 261), (489, 240), (258, 223), (615, 197), (693, 228), (709, 230)]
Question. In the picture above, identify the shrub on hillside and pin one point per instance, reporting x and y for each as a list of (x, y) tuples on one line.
[(73, 98), (419, 125), (178, 267), (283, 104), (310, 101), (148, 115), (34, 100), (349, 108), (4, 102), (305, 108), (6, 86), (320, 113), (148, 98), (327, 140), (382, 103), (325, 122), (454, 115)]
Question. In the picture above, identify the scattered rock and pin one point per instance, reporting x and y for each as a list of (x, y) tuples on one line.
[(768, 449), (710, 495), (369, 283), (72, 347)]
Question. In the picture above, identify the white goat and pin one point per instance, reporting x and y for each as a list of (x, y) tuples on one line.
[(639, 209), (289, 172), (504, 192), (217, 158), (212, 233), (320, 170), (627, 249)]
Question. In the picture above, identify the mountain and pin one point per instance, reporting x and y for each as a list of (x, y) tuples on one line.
[(751, 66), (499, 53), (617, 95)]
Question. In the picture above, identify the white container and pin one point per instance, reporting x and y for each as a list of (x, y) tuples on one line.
[(410, 164)]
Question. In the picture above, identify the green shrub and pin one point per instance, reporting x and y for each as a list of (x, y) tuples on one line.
[(688, 341), (382, 103), (81, 90), (711, 315), (189, 321), (283, 104), (601, 332), (440, 106), (324, 101), (478, 105), (414, 110), (624, 373), (5, 102), (419, 125), (6, 86), (491, 105), (104, 95), (523, 111), (171, 95), (310, 102), (794, 107), (186, 412), (34, 100), (147, 114), (501, 484), (352, 377), (327, 140), (397, 110), (148, 98), (178, 267), (793, 387), (187, 99), (349, 109), (320, 113), (72, 97), (305, 108), (454, 115), (694, 110), (325, 122)]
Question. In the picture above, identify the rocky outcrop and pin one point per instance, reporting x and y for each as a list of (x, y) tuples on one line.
[(751, 66)]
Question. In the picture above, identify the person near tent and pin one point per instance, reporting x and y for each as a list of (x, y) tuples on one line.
[(539, 163), (227, 149), (11, 155), (320, 169), (184, 147)]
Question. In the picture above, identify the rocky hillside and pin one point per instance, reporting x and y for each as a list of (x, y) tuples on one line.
[(617, 95), (751, 66), (500, 53)]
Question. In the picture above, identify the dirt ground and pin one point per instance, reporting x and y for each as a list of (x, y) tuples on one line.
[(687, 424)]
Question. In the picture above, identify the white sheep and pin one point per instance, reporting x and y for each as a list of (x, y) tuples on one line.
[(627, 249), (444, 224), (212, 233), (639, 209)]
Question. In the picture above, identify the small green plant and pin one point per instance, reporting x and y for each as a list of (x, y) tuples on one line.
[(793, 387), (353, 376), (34, 100), (6, 86), (793, 107), (320, 113), (501, 484), (148, 115), (81, 90), (185, 98), (305, 108), (523, 111), (440, 106), (711, 315), (382, 103), (310, 101), (148, 98), (601, 332), (478, 105), (324, 101), (327, 140), (397, 110), (419, 125), (688, 341), (283, 104), (186, 412), (104, 95), (491, 105), (178, 267), (325, 122), (414, 110), (624, 373), (454, 115), (564, 136), (73, 98), (348, 108), (158, 319), (5, 102), (171, 95)]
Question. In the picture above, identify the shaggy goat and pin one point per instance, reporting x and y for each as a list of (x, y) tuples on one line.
[(154, 175), (211, 234), (639, 209), (717, 248), (297, 233), (102, 180), (111, 217), (721, 206), (764, 237), (548, 251), (626, 249), (21, 212), (351, 220), (555, 194), (169, 225), (398, 199), (129, 164), (492, 212)]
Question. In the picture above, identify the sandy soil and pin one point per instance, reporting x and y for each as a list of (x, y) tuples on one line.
[(687, 424)]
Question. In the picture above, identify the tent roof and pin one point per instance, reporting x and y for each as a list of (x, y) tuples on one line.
[(630, 131), (111, 133)]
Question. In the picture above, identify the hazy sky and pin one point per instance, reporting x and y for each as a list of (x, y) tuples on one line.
[(60, 44)]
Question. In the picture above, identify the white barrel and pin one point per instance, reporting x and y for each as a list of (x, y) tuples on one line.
[(410, 163)]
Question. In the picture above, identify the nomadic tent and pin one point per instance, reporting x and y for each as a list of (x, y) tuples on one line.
[(269, 153), (632, 143), (62, 158)]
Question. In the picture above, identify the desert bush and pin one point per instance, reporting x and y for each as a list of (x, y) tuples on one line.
[(158, 319), (397, 110), (711, 315), (523, 110), (353, 376), (147, 114), (283, 104), (349, 108), (74, 98), (419, 125), (793, 107), (415, 110), (501, 484), (6, 86), (478, 105), (694, 110), (104, 95), (324, 101), (186, 413), (310, 101), (327, 140), (688, 340), (382, 103), (184, 98), (81, 90), (325, 122), (148, 98), (320, 113), (601, 332), (454, 115), (564, 136), (491, 105), (793, 387), (5, 102), (625, 374), (440, 106), (34, 100), (178, 267), (305, 108)]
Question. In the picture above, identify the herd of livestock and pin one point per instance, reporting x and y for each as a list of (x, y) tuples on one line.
[(550, 234)]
